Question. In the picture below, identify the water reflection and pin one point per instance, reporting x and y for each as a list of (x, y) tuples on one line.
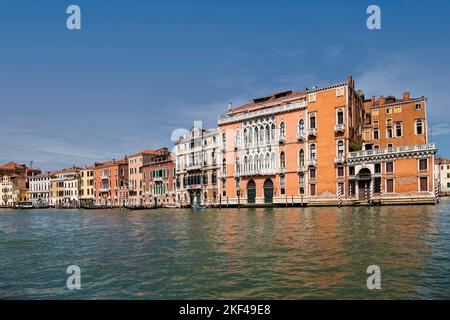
[(230, 253)]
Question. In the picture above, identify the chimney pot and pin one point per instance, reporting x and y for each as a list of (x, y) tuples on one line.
[(406, 95), (381, 100)]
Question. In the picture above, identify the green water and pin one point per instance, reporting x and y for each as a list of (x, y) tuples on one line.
[(276, 253)]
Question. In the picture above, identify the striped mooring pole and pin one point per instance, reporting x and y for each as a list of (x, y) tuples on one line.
[(381, 189), (370, 192), (339, 196), (350, 191), (436, 192), (366, 197)]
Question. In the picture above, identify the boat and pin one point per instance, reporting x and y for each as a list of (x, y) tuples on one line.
[(199, 207), (25, 205)]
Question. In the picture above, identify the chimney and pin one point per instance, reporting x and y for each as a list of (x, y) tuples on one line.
[(114, 160), (372, 100), (406, 95), (381, 100)]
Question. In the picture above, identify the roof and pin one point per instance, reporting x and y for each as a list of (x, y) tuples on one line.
[(12, 166), (112, 163), (267, 101), (441, 161), (145, 152)]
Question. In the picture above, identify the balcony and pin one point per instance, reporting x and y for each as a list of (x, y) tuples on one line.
[(301, 169), (281, 170), (312, 132), (339, 128), (339, 159), (104, 176), (158, 179), (282, 139), (236, 146), (237, 174), (104, 189), (192, 167), (312, 162), (301, 135), (421, 149), (258, 172)]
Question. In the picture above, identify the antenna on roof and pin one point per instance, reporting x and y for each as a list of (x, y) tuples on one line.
[(31, 164), (230, 104)]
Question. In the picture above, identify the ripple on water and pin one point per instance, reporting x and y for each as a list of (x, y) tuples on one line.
[(295, 253)]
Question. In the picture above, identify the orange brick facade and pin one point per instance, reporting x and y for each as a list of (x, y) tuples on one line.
[(319, 147)]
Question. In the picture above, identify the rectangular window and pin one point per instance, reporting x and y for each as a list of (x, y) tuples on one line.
[(390, 146), (389, 185), (377, 167), (312, 173), (448, 184), (340, 171), (375, 135), (377, 185), (423, 184), (423, 164), (388, 110), (351, 171), (397, 109), (418, 106), (312, 97), (340, 117), (389, 167), (339, 92), (312, 189), (388, 133), (375, 124)]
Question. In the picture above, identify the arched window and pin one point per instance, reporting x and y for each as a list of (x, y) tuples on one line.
[(398, 129), (301, 158), (282, 130), (267, 133), (261, 134), (250, 162), (272, 132), (312, 151), (256, 162), (238, 137), (340, 148), (419, 126), (273, 160), (224, 139), (246, 163), (245, 136), (312, 122), (224, 167), (250, 135), (267, 161), (301, 126), (256, 135), (282, 160), (238, 165)]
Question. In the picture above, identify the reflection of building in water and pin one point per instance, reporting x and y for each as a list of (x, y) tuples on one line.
[(324, 143)]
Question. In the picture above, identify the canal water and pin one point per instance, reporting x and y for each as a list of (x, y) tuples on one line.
[(273, 253)]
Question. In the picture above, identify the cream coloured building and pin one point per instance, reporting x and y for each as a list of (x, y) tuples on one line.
[(197, 166)]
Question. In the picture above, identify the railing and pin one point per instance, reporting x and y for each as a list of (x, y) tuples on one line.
[(301, 135), (260, 143), (191, 167), (159, 179), (339, 127), (237, 174), (104, 189), (282, 139), (301, 169), (103, 176), (312, 132), (392, 151), (312, 162), (258, 172), (339, 159), (281, 170), (261, 113)]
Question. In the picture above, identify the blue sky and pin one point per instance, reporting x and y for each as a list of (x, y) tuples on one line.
[(138, 70)]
